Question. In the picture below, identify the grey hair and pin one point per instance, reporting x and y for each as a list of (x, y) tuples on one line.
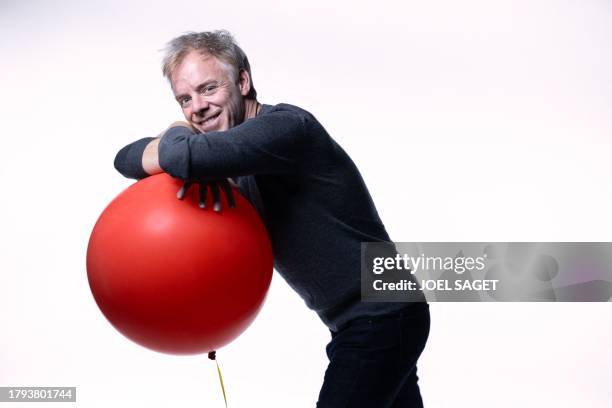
[(218, 43)]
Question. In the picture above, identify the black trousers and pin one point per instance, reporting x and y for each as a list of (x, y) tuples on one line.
[(373, 361)]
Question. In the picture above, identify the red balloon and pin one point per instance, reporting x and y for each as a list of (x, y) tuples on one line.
[(176, 278)]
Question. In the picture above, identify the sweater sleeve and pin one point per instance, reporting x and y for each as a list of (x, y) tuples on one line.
[(270, 143), (128, 161)]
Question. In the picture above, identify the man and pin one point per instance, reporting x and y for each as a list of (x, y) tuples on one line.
[(313, 201)]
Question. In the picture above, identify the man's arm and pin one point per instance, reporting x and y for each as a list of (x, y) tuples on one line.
[(272, 143), (130, 160), (141, 158), (267, 144)]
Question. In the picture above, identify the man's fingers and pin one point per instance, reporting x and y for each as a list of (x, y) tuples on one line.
[(181, 193), (214, 187), (229, 194), (203, 188), (216, 197)]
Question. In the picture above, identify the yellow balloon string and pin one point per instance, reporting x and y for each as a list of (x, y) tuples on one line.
[(212, 356)]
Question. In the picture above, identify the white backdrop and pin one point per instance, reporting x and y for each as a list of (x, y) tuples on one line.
[(470, 121)]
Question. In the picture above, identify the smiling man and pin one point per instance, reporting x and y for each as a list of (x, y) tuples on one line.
[(313, 201), (205, 88)]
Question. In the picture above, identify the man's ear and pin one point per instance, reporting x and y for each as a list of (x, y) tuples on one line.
[(244, 82)]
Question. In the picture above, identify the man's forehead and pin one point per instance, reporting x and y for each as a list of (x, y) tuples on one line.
[(197, 67)]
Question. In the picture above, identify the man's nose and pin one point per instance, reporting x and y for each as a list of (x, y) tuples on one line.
[(199, 105)]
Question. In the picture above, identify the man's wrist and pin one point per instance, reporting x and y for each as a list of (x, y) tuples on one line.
[(150, 158), (128, 160)]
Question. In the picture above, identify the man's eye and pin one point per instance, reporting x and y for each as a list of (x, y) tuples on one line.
[(209, 89), (184, 101)]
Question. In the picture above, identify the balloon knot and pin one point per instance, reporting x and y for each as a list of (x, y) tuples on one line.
[(212, 355)]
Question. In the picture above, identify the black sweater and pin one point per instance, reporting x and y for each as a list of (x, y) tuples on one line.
[(311, 197)]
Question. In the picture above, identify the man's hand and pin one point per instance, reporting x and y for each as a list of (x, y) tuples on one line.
[(180, 123), (151, 165), (214, 185)]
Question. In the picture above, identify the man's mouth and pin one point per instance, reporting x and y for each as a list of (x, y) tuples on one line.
[(211, 121)]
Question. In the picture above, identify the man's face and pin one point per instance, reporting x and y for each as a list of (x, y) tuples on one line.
[(211, 99)]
